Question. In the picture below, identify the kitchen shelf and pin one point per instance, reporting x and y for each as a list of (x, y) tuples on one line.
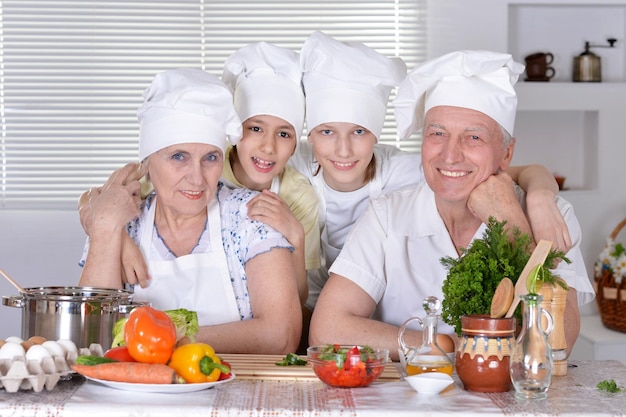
[(532, 27), (569, 95)]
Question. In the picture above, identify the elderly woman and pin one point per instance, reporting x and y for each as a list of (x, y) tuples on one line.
[(203, 252)]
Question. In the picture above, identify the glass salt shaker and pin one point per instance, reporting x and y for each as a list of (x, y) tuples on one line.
[(531, 357), (428, 357)]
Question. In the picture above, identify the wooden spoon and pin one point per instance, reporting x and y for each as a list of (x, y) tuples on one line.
[(538, 257), (13, 282), (502, 298)]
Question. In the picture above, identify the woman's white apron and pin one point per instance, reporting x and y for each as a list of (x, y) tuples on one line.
[(198, 282)]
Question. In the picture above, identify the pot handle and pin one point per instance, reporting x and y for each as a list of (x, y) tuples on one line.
[(125, 308), (13, 301)]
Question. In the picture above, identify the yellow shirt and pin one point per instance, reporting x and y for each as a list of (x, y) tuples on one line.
[(301, 199)]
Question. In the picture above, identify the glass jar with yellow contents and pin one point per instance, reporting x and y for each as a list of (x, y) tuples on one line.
[(429, 356)]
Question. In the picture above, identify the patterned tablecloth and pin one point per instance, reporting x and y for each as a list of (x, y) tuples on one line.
[(574, 394)]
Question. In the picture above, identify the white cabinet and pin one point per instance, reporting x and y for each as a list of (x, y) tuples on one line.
[(598, 342), (561, 124), (569, 128)]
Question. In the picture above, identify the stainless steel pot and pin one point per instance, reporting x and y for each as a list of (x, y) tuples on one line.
[(84, 315)]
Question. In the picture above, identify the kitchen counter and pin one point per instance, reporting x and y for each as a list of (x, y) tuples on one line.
[(251, 395)]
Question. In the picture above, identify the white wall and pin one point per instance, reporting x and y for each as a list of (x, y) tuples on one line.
[(37, 248), (42, 248)]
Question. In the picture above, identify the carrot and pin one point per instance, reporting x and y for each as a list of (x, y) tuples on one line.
[(134, 372)]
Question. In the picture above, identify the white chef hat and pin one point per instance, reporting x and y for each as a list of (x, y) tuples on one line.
[(266, 79), (477, 80), (186, 105), (347, 82)]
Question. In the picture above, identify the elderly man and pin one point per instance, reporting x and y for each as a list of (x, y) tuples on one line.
[(466, 104)]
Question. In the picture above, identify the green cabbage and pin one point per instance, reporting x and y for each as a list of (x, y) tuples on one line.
[(118, 333), (186, 323)]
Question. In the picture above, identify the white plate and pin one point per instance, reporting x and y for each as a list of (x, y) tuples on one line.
[(161, 388)]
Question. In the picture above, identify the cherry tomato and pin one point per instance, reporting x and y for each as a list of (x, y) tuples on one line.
[(223, 375), (119, 354)]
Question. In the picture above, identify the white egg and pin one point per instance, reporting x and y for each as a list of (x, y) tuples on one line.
[(10, 350), (68, 346), (54, 348), (14, 339), (37, 352)]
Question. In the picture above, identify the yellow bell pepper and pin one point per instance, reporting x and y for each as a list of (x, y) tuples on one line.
[(197, 362)]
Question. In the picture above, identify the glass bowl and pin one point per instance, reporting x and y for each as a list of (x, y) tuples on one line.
[(347, 366)]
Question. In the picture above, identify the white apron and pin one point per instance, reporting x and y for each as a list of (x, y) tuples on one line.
[(198, 282), (329, 252)]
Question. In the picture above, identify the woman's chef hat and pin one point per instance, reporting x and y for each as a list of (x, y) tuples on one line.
[(266, 79), (347, 82), (186, 105), (478, 80)]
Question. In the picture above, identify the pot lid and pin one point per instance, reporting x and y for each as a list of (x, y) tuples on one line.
[(74, 293)]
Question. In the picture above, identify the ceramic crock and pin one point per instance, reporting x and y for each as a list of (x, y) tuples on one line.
[(84, 315), (483, 356)]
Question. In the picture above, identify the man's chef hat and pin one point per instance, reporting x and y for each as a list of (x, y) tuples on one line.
[(478, 80), (186, 105), (347, 82), (266, 79)]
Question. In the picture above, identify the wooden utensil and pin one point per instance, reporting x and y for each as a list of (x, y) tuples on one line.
[(13, 282), (502, 298), (538, 257)]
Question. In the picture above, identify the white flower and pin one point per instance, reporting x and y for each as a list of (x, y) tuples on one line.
[(620, 268), (607, 261)]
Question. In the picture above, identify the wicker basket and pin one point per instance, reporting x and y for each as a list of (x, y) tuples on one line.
[(610, 295)]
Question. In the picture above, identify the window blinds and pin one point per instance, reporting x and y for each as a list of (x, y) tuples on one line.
[(73, 72)]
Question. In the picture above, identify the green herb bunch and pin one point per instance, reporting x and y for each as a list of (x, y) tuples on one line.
[(473, 277), (609, 385)]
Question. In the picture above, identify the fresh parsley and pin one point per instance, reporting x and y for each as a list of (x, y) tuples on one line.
[(473, 277), (609, 386), (291, 359)]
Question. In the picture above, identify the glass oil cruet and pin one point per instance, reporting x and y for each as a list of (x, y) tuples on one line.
[(428, 357), (531, 357)]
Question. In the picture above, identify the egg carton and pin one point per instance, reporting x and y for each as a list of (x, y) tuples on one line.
[(19, 373)]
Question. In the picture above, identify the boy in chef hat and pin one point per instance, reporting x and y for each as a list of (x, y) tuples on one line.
[(466, 104), (205, 242), (266, 83)]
